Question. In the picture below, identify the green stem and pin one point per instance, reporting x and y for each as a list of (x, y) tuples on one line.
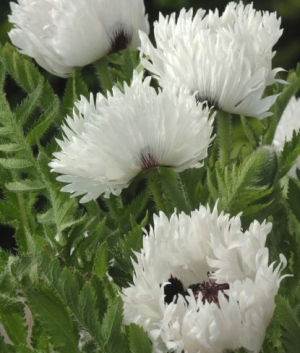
[(24, 247), (174, 189), (224, 128), (153, 179), (128, 65), (104, 74)]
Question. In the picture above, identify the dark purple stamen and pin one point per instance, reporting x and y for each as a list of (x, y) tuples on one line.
[(148, 161), (208, 289), (120, 40)]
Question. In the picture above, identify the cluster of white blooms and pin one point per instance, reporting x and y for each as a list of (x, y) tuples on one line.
[(289, 122), (201, 284), (63, 34), (225, 59)]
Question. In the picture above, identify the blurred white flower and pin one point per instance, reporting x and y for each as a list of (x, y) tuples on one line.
[(288, 123), (109, 141), (225, 59), (202, 284), (63, 34)]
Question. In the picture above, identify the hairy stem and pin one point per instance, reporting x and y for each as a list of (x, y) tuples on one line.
[(224, 133)]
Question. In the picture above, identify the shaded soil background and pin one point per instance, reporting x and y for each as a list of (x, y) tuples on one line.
[(288, 47)]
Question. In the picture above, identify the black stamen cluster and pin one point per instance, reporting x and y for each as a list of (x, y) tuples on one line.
[(208, 289)]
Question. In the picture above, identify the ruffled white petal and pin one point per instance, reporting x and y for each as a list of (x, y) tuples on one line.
[(193, 249), (63, 34), (107, 142), (225, 59), (289, 122)]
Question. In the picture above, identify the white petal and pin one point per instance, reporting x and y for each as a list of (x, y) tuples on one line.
[(225, 59), (63, 34), (288, 123)]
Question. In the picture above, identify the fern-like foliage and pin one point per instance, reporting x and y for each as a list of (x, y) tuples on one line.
[(251, 186)]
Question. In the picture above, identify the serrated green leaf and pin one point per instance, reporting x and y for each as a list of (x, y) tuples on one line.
[(294, 197), (74, 89), (87, 310), (82, 303), (111, 327), (14, 164), (289, 324), (289, 154), (41, 126), (2, 76), (10, 147), (101, 261), (27, 76), (10, 305), (6, 130), (15, 327), (25, 109), (55, 319), (25, 186), (138, 340)]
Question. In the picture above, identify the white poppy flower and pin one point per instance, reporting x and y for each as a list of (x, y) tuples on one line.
[(288, 123), (109, 141), (202, 284), (225, 59), (63, 34)]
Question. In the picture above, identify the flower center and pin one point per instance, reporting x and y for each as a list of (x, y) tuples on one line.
[(208, 101), (120, 40), (148, 161), (208, 289)]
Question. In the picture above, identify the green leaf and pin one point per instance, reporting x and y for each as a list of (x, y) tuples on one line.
[(111, 327), (2, 76), (25, 109), (87, 310), (15, 164), (55, 319), (289, 154), (15, 327), (41, 126), (101, 261), (138, 340), (294, 197), (10, 305), (6, 130), (10, 147), (82, 303), (27, 76), (74, 89), (25, 186), (289, 323)]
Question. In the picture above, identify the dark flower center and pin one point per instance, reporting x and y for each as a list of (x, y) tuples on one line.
[(120, 40), (208, 289), (208, 101), (172, 290), (148, 161)]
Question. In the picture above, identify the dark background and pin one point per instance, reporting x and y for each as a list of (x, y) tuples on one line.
[(288, 47)]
